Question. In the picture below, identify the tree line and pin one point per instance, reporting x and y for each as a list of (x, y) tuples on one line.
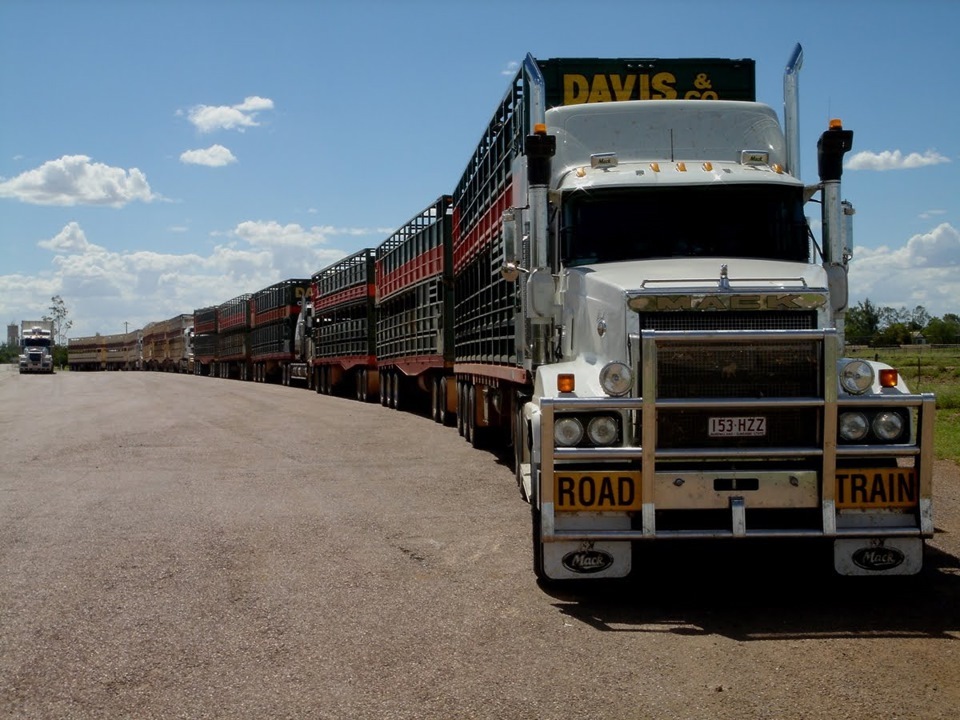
[(869, 324)]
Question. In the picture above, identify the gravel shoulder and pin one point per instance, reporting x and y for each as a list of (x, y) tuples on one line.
[(181, 547)]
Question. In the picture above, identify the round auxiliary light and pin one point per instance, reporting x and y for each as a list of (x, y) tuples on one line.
[(857, 377), (887, 425), (602, 430), (616, 378), (853, 425), (567, 431)]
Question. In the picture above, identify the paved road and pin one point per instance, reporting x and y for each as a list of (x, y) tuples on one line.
[(181, 547)]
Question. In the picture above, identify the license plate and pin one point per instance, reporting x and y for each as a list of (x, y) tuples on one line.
[(587, 491), (737, 427)]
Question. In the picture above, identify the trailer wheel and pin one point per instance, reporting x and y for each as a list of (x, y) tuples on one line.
[(396, 400), (384, 390), (478, 435), (315, 374), (444, 417), (435, 403), (362, 385), (461, 408)]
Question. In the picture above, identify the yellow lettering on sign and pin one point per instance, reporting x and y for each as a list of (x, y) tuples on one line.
[(663, 85), (575, 89), (623, 87), (877, 488), (599, 91), (597, 492)]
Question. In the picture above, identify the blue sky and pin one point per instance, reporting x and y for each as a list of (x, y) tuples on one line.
[(162, 155)]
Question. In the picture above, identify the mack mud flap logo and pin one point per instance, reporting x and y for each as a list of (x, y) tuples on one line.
[(878, 557), (587, 560)]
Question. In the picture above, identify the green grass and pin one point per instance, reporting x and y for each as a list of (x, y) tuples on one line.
[(935, 370)]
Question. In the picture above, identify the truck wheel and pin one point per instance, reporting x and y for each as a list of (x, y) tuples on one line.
[(537, 545), (397, 400), (519, 445)]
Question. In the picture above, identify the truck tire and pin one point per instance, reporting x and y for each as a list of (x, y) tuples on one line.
[(519, 444), (435, 400), (537, 546), (396, 395)]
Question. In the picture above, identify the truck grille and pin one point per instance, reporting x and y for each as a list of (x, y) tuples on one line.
[(787, 368), (791, 368)]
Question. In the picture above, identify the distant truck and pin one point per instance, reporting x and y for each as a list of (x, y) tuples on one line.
[(167, 345), (36, 346)]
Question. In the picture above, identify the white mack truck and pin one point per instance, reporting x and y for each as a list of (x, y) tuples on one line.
[(681, 329), (36, 345)]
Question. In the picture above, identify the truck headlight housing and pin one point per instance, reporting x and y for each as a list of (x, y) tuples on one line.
[(887, 425), (616, 378), (567, 431), (853, 426), (603, 430), (857, 376)]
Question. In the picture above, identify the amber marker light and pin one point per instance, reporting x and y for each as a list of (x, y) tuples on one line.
[(540, 129), (836, 124), (566, 383), (655, 167), (681, 167), (889, 378), (708, 166)]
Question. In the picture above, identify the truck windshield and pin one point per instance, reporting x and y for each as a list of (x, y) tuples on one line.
[(754, 221)]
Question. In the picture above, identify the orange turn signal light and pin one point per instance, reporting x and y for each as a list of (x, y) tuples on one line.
[(889, 377), (566, 382)]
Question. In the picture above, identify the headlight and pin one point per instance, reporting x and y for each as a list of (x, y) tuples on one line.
[(857, 377), (887, 425), (567, 431), (616, 378), (853, 425), (602, 430)]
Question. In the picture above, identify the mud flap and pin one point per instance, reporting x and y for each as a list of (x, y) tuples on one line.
[(878, 556), (586, 560)]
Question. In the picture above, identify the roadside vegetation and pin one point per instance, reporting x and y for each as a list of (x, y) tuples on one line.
[(929, 369), (926, 351)]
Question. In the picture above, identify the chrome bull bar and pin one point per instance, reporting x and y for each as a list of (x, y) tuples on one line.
[(646, 453)]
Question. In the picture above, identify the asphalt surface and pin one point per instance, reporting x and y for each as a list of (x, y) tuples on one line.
[(183, 547)]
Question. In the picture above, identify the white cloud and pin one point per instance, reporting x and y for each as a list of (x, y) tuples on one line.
[(925, 271), (75, 180), (104, 289), (208, 118), (894, 160), (511, 68), (71, 239), (213, 156)]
